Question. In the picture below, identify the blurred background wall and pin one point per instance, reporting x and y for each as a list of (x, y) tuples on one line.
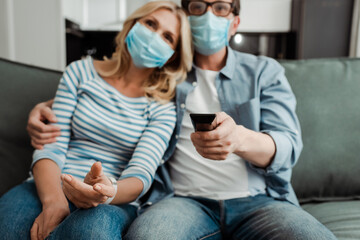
[(53, 33)]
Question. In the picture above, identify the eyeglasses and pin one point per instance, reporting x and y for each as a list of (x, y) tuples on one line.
[(221, 9)]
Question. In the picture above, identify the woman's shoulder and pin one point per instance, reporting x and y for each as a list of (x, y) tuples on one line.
[(79, 68), (78, 64), (83, 70)]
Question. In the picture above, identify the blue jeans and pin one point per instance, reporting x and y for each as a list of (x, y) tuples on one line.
[(258, 217), (21, 205)]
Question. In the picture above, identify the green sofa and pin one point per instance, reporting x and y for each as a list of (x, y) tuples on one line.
[(326, 178)]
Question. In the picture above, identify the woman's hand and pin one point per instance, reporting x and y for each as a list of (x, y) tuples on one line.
[(40, 132), (95, 189), (50, 217), (96, 175)]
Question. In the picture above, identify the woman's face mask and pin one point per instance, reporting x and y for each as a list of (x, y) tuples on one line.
[(147, 48), (209, 32)]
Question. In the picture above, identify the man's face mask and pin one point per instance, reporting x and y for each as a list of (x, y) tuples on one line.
[(209, 32), (147, 48)]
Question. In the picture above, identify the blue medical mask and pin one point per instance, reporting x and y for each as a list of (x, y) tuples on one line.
[(209, 32), (147, 48)]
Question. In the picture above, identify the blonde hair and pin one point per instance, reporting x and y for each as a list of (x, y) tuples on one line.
[(162, 82)]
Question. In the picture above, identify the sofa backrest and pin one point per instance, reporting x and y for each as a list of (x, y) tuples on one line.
[(328, 107), (327, 92), (21, 88)]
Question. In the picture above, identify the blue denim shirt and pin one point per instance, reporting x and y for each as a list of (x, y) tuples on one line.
[(256, 94)]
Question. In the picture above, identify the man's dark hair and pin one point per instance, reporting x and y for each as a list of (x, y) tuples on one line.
[(236, 6)]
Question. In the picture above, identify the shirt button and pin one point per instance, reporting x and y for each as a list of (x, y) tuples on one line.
[(162, 161), (194, 84), (182, 105), (176, 136)]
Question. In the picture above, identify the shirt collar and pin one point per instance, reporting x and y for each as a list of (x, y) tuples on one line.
[(229, 68)]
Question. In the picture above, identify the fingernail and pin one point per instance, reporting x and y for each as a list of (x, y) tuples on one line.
[(68, 178), (97, 187)]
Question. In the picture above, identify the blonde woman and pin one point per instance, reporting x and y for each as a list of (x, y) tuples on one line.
[(116, 118)]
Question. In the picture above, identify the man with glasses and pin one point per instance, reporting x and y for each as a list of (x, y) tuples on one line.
[(232, 182)]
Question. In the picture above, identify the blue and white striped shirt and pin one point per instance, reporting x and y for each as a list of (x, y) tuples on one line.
[(127, 135)]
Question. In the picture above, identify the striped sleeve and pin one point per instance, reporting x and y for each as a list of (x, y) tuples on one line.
[(151, 146), (63, 107)]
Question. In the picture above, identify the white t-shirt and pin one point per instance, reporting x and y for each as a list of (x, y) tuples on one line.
[(193, 175)]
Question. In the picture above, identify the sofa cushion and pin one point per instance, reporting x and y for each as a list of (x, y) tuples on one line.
[(21, 88), (342, 218), (327, 92)]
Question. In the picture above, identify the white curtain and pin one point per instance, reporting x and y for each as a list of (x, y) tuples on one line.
[(355, 31)]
